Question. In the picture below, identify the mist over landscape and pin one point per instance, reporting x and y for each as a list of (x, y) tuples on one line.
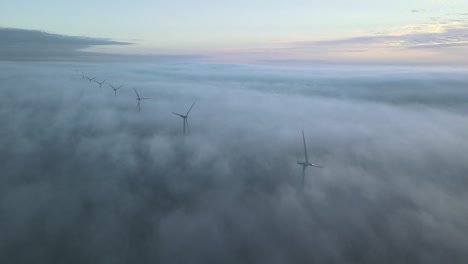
[(86, 178)]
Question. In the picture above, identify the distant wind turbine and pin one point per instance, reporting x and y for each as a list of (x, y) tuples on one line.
[(305, 163), (184, 117), (115, 88), (100, 83), (139, 99), (90, 79)]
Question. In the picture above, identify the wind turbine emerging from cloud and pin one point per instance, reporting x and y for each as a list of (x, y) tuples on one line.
[(115, 88), (139, 99), (305, 163), (185, 117), (90, 79), (100, 83)]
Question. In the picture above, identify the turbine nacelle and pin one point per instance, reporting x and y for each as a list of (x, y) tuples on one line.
[(185, 117), (115, 88), (100, 83), (139, 98), (308, 164), (305, 163)]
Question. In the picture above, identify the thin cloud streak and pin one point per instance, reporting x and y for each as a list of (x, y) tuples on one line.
[(448, 34), (434, 43)]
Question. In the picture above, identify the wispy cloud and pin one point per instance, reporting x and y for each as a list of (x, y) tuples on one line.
[(416, 36), (438, 42)]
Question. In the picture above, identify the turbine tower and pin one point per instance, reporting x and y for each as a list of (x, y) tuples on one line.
[(115, 88), (139, 99), (184, 117), (100, 83), (305, 163)]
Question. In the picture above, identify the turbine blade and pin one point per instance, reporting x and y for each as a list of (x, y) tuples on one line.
[(317, 166), (111, 86), (305, 148), (138, 96), (190, 109), (177, 114)]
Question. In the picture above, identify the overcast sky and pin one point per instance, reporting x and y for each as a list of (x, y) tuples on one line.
[(400, 31)]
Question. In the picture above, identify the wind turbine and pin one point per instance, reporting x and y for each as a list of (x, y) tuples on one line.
[(114, 88), (184, 117), (139, 99), (305, 163), (90, 79), (100, 83)]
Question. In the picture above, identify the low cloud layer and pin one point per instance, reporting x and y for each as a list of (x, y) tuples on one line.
[(86, 178)]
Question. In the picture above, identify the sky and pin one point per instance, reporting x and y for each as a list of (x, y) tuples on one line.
[(261, 31), (85, 177)]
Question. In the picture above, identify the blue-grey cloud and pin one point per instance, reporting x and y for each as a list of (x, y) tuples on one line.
[(21, 44), (34, 45), (85, 178)]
